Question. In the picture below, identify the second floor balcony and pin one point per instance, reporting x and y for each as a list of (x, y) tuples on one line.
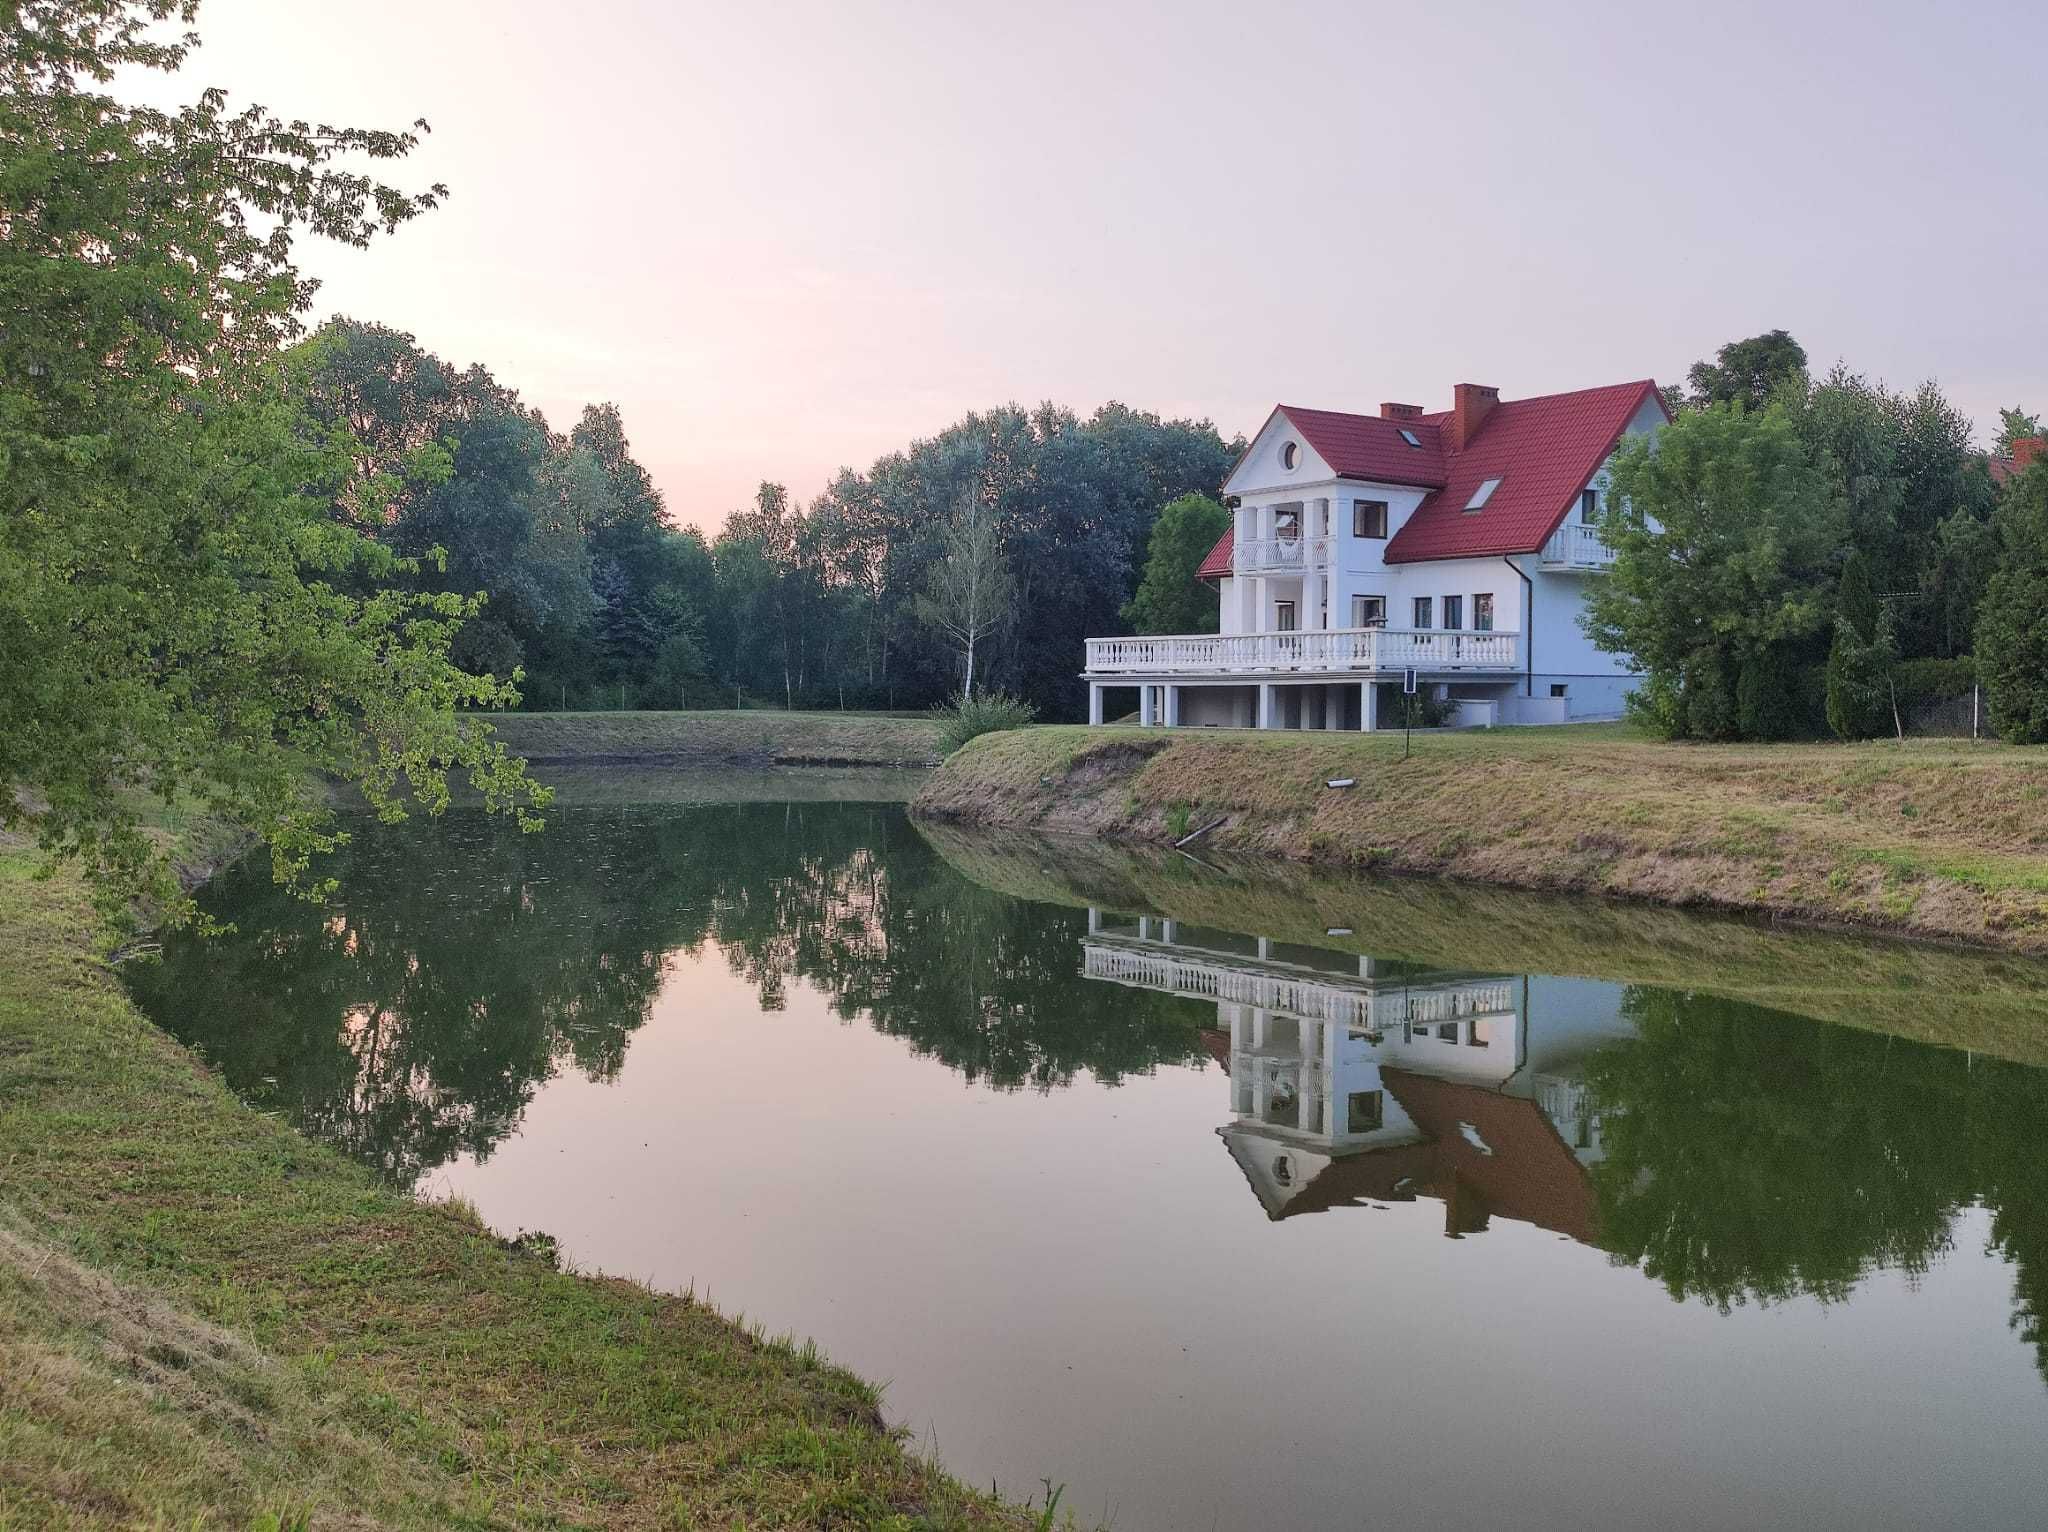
[(1576, 546), (1330, 651), (1282, 554)]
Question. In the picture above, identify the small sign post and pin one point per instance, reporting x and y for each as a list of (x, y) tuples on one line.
[(1407, 709)]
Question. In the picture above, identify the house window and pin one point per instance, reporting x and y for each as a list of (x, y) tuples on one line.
[(1290, 454), (1483, 494), (1482, 612), (1422, 611), (1287, 523), (1589, 506), (1558, 689), (1454, 611), (1283, 616), (1368, 611), (1363, 1111), (1368, 518)]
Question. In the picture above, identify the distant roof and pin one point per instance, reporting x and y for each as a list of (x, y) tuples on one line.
[(1543, 450)]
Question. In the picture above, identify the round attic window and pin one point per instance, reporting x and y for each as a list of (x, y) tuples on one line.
[(1290, 454)]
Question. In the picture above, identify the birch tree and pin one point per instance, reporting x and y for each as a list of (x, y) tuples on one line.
[(971, 595)]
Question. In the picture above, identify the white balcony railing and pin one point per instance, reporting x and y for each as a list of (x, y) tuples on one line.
[(1261, 554), (1371, 1008), (1576, 546), (1324, 650)]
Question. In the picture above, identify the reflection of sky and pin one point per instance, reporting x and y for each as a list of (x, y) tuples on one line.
[(1077, 1284)]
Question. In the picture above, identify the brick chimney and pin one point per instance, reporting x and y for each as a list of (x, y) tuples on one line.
[(2026, 451), (1399, 411), (1470, 403)]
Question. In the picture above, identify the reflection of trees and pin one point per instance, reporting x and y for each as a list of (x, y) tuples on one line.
[(410, 1020), (1757, 1156)]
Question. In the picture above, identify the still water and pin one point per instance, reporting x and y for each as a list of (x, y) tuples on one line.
[(1227, 1204)]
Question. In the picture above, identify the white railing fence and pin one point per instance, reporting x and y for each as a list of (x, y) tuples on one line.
[(1577, 546), (1267, 553), (1311, 650), (1305, 999)]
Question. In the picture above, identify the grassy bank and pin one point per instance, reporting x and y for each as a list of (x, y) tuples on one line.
[(1933, 838), (1992, 1002), (720, 738), (207, 1320)]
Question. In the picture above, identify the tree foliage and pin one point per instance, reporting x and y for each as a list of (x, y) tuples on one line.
[(1749, 372), (201, 628), (2012, 632), (1723, 531), (1169, 598)]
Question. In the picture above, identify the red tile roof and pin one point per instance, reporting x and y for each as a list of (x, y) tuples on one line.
[(1217, 564), (1543, 450), (1367, 447)]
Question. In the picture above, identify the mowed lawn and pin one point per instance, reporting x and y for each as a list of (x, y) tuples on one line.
[(207, 1320), (1944, 838)]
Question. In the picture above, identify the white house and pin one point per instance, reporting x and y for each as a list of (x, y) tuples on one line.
[(1454, 543)]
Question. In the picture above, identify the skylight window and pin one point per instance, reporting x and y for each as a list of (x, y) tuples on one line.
[(1410, 437), (1482, 494)]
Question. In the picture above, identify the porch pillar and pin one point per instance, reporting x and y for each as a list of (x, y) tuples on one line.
[(1268, 696), (1172, 706), (1311, 592), (1094, 704), (1145, 693), (1368, 706)]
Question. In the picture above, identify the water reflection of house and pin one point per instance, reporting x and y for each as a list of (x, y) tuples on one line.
[(1357, 1079)]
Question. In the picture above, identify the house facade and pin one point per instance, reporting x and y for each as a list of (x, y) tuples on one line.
[(1457, 544)]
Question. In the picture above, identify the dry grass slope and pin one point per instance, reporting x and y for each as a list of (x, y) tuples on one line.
[(1937, 839), (206, 1320)]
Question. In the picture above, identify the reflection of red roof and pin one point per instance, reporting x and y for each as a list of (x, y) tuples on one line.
[(1529, 1176), (1216, 1043), (1543, 451)]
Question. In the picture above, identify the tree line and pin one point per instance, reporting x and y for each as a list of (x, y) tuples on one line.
[(1799, 556), (971, 560)]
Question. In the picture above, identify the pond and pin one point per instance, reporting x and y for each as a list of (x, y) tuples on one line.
[(1227, 1199)]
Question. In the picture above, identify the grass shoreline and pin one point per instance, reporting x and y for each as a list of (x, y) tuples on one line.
[(1940, 840), (207, 1319), (732, 738)]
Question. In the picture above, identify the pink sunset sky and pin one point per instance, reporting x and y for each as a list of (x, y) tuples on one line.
[(787, 237)]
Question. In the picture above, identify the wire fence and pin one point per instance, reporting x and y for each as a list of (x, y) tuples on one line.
[(1958, 717)]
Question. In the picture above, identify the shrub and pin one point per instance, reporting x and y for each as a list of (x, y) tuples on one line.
[(967, 718), (1709, 702), (1920, 682), (1767, 701), (2012, 624), (1860, 681)]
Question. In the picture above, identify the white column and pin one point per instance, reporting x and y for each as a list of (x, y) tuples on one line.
[(1172, 706), (1094, 703), (1267, 698), (1311, 595), (1369, 709), (1145, 718)]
